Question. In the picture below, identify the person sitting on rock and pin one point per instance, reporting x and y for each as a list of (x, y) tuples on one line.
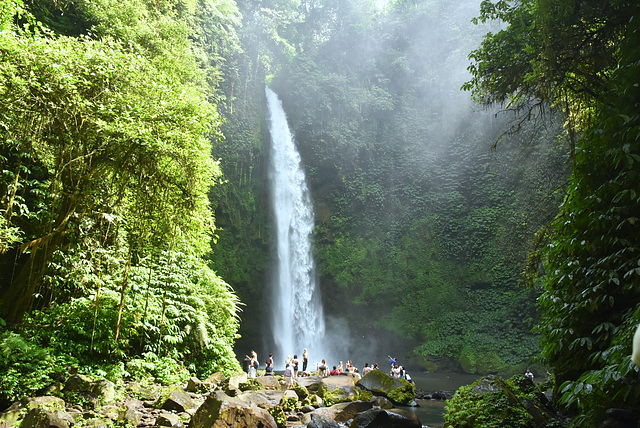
[(322, 368), (334, 372)]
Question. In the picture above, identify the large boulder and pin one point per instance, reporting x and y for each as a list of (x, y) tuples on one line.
[(19, 408), (338, 388), (231, 385), (97, 392), (196, 385), (271, 383), (167, 419), (176, 401), (312, 383), (104, 390), (79, 383), (518, 399), (340, 412), (379, 418), (351, 410), (215, 380), (265, 399), (129, 413), (40, 418), (222, 411), (379, 383), (320, 421)]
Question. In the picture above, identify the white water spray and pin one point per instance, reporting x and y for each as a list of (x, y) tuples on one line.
[(298, 321)]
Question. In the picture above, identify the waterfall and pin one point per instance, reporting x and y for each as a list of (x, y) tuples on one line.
[(298, 320)]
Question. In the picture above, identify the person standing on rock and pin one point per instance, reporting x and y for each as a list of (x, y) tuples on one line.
[(288, 375), (305, 360), (395, 371), (393, 363), (246, 364), (269, 366), (253, 369), (294, 363)]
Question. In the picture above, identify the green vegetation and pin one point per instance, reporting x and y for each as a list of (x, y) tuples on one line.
[(583, 59), (106, 123), (119, 234), (492, 402), (418, 220)]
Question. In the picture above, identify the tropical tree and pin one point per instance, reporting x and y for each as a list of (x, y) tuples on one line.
[(582, 58), (105, 144)]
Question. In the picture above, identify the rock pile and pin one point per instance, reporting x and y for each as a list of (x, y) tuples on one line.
[(218, 402)]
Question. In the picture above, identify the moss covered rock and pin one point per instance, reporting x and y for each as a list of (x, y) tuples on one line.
[(379, 383), (494, 402)]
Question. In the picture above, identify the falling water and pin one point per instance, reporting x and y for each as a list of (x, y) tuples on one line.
[(298, 321)]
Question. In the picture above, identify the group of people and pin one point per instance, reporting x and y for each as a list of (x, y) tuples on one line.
[(295, 367), (397, 371), (250, 364)]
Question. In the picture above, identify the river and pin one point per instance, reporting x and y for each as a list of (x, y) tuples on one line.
[(431, 412)]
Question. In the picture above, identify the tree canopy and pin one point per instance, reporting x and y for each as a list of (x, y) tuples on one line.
[(105, 134), (583, 58)]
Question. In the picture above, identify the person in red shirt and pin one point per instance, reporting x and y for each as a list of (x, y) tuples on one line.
[(334, 372)]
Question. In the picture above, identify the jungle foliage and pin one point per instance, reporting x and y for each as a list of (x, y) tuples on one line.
[(419, 221), (108, 112), (583, 57)]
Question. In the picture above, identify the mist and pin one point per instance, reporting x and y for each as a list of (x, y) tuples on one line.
[(400, 172)]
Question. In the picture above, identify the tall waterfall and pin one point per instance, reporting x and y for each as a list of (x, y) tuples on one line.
[(298, 320)]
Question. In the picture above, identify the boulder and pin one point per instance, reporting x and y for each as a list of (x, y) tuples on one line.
[(110, 411), (177, 401), (379, 383), (350, 410), (17, 409), (166, 419), (320, 421), (261, 398), (322, 413), (235, 381), (381, 402), (195, 385), (79, 383), (289, 393), (379, 418), (312, 383), (40, 418), (221, 411), (231, 385), (339, 387), (340, 412), (95, 392), (143, 392), (270, 383), (129, 414), (104, 390), (215, 380)]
